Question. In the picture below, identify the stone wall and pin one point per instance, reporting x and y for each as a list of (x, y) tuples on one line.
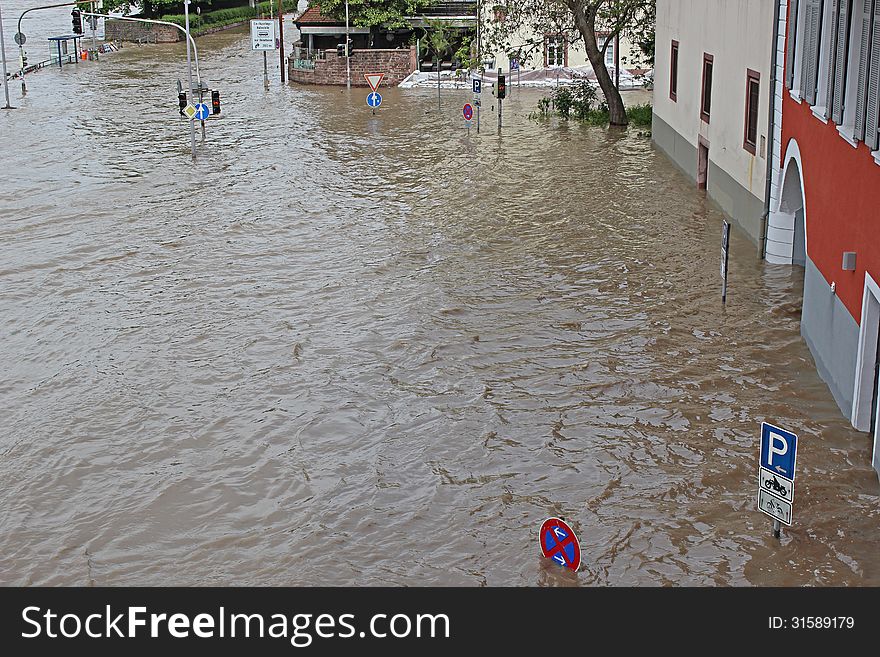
[(140, 32), (395, 64), (150, 33)]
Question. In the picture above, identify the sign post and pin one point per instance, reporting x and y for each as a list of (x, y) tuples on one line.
[(478, 89), (776, 470), (263, 38), (192, 125), (374, 99), (725, 253)]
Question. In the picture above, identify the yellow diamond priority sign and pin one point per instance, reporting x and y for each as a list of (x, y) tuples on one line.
[(190, 111)]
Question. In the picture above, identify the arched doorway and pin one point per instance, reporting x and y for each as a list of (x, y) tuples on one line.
[(786, 232)]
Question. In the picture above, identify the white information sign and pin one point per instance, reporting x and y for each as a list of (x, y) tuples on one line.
[(262, 35)]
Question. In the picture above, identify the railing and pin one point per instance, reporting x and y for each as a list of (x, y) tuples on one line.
[(305, 59)]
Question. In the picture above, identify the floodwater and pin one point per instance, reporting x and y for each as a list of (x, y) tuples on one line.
[(352, 349)]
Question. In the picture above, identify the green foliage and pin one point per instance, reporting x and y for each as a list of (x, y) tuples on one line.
[(370, 13), (156, 8), (640, 115), (224, 16), (580, 101)]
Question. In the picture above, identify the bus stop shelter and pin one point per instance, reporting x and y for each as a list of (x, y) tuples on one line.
[(60, 50)]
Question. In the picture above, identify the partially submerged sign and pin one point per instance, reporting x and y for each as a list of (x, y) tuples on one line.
[(374, 79), (559, 543), (776, 470), (263, 35)]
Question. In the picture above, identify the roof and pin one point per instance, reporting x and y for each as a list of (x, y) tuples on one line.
[(313, 16)]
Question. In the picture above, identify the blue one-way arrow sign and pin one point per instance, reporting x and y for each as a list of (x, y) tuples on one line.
[(778, 450)]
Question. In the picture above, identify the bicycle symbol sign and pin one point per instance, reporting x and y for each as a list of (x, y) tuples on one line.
[(559, 543)]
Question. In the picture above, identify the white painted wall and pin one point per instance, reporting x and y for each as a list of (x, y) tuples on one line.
[(739, 33)]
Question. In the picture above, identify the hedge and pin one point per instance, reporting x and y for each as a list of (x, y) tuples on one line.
[(210, 19)]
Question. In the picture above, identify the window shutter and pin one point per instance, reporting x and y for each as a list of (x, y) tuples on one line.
[(872, 122), (832, 55), (864, 63), (812, 31), (792, 43), (842, 60)]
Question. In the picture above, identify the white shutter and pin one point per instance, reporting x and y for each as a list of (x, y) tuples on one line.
[(792, 42), (864, 63), (872, 122), (810, 43), (841, 62), (832, 55)]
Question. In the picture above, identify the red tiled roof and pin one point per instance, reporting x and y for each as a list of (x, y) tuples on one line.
[(313, 16)]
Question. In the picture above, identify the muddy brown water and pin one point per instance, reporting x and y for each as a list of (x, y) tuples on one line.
[(355, 349)]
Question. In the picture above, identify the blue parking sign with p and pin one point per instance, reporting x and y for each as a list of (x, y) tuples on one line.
[(478, 85), (778, 450)]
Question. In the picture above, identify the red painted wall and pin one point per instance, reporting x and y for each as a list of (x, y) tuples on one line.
[(842, 190)]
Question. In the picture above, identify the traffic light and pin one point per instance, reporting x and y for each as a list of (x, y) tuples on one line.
[(340, 49), (23, 60), (76, 19), (502, 87), (215, 101), (181, 101)]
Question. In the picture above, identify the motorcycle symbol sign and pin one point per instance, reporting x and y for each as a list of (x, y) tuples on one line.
[(776, 484)]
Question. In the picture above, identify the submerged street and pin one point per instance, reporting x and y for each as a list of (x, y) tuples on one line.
[(347, 349)]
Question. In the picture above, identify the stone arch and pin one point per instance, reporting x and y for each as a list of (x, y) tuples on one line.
[(786, 232)]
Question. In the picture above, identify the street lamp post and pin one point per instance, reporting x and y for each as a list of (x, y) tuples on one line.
[(3, 57)]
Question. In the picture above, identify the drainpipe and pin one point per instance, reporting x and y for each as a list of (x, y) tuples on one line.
[(771, 136)]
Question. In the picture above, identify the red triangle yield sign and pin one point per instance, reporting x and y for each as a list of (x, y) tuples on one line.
[(374, 79)]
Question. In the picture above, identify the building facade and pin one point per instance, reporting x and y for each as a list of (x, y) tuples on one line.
[(827, 215), (712, 84)]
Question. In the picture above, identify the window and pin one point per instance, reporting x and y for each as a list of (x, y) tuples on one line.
[(753, 95), (810, 38), (706, 101), (673, 72), (791, 43), (555, 50), (610, 60)]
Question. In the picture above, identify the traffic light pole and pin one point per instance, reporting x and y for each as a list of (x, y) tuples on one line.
[(192, 126), (21, 45), (3, 57)]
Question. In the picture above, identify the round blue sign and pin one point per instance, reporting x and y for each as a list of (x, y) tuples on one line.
[(202, 111), (374, 99)]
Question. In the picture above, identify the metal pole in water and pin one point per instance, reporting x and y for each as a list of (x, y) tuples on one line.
[(281, 38), (265, 70), (192, 127), (777, 527), (499, 102), (347, 54), (3, 56), (93, 21)]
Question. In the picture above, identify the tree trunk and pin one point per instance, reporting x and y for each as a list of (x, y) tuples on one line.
[(585, 19)]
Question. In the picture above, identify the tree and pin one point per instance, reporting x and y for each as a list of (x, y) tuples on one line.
[(438, 44), (594, 22), (373, 13)]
